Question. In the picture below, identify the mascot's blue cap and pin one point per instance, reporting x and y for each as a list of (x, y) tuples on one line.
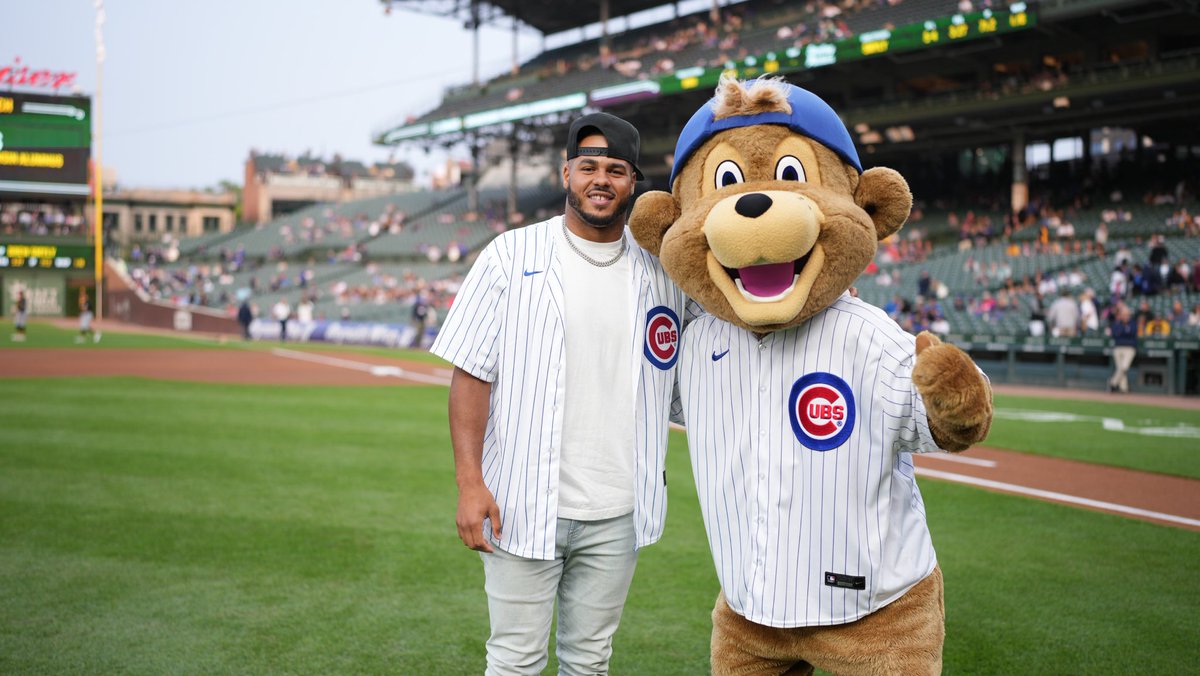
[(810, 116)]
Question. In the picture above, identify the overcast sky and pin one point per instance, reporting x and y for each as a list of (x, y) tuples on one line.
[(190, 87)]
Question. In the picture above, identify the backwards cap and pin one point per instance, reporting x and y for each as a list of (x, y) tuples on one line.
[(624, 142), (810, 116)]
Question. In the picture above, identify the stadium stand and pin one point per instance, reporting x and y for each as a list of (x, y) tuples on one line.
[(965, 265)]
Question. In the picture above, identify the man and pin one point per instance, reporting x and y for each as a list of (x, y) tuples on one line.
[(1156, 326), (564, 338), (86, 316), (282, 312), (1124, 335), (1089, 315), (1063, 315), (20, 317), (420, 317), (245, 315)]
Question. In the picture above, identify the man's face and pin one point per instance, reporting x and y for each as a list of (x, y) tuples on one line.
[(599, 188)]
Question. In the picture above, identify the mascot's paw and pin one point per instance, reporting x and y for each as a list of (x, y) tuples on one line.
[(958, 399), (653, 213)]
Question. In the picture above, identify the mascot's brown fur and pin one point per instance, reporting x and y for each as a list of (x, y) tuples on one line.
[(751, 196)]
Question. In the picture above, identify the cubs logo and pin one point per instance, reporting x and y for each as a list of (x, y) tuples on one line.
[(662, 337), (821, 408)]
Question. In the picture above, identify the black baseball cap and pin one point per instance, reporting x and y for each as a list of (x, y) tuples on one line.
[(624, 142)]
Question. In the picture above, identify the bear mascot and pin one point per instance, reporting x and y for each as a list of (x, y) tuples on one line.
[(803, 404)]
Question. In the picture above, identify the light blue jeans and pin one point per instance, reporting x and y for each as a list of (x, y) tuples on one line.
[(590, 575)]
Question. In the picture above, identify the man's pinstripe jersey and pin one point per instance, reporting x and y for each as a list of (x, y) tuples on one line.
[(506, 328), (801, 447)]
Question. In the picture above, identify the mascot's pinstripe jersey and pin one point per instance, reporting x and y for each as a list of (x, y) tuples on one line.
[(785, 432)]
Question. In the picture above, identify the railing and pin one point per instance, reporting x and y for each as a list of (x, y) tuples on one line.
[(1162, 366)]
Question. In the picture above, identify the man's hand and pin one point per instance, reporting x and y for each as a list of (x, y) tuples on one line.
[(468, 418), (475, 503)]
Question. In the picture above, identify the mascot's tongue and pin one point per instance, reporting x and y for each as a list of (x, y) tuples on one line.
[(767, 280)]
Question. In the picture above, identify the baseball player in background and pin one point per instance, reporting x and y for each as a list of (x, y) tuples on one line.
[(21, 316), (564, 338)]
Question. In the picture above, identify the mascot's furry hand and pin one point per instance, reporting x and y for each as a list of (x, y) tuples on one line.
[(958, 399)]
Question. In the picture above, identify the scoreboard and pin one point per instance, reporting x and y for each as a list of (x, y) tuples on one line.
[(45, 143), (932, 33), (20, 255)]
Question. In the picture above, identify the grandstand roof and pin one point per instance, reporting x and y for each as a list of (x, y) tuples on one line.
[(554, 16), (1124, 64), (547, 16)]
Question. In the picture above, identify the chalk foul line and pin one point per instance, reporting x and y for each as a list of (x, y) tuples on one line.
[(1178, 431), (378, 370), (1056, 497)]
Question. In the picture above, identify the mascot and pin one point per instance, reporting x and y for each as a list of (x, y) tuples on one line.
[(803, 404)]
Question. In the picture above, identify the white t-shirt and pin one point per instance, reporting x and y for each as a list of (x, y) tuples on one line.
[(1088, 316), (596, 475)]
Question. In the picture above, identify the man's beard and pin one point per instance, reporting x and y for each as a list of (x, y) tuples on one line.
[(595, 220)]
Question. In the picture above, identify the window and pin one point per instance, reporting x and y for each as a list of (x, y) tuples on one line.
[(212, 224), (137, 223), (153, 222), (169, 226)]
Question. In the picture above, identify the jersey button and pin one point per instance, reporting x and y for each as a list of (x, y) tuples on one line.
[(762, 388)]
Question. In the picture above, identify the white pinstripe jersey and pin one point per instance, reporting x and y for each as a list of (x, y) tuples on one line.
[(803, 536), (506, 327)]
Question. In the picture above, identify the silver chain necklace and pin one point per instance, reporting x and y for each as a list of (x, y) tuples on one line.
[(593, 261)]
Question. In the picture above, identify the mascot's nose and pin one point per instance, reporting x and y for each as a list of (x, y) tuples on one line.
[(752, 205)]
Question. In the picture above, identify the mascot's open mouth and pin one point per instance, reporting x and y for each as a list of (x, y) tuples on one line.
[(768, 282), (770, 293)]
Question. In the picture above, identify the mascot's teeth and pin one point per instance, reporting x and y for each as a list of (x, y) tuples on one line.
[(765, 283), (765, 299)]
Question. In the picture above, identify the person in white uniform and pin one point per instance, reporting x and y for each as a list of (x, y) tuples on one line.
[(564, 339)]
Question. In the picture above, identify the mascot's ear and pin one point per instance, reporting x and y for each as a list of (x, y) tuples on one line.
[(653, 213), (883, 194)]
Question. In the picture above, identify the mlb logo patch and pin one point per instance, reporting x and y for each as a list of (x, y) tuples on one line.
[(821, 408), (662, 337)]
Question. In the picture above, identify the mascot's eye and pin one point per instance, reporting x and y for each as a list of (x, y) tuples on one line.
[(728, 173), (789, 168)]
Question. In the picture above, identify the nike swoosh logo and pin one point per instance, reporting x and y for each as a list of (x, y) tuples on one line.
[(717, 356), (529, 273)]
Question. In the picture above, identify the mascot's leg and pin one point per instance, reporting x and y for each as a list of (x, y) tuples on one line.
[(903, 637), (742, 647)]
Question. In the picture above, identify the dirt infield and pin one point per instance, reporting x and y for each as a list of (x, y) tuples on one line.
[(279, 366), (1158, 498)]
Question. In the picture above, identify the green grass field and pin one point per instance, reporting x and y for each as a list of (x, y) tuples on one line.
[(164, 527)]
